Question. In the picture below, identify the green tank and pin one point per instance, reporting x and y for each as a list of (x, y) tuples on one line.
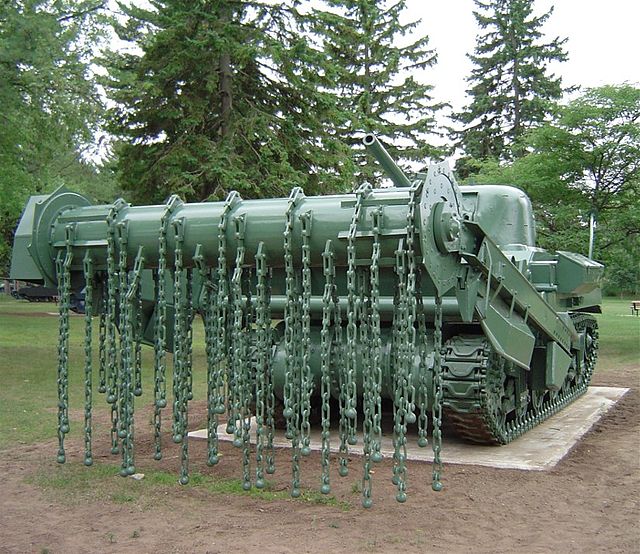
[(399, 308)]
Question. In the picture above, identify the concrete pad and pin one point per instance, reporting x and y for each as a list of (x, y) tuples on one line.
[(541, 448)]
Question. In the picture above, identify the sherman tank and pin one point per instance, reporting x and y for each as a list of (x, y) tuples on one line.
[(410, 306)]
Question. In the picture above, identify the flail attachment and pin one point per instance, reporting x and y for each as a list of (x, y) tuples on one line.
[(234, 299)]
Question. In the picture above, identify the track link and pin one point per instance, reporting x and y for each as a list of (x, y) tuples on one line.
[(470, 371)]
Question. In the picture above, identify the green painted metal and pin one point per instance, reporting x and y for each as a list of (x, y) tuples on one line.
[(427, 301), (384, 159)]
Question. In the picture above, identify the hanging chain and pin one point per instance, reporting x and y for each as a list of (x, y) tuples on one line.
[(269, 392), (137, 358), (241, 364), (123, 375), (325, 356), (207, 302), (180, 353), (349, 381), (237, 358), (63, 270), (376, 341), (411, 305), (423, 391), (186, 382), (292, 385), (112, 308), (178, 340), (371, 376), (404, 340), (436, 412), (128, 304), (87, 264), (400, 333), (263, 363), (306, 388), (160, 330), (216, 389), (102, 340)]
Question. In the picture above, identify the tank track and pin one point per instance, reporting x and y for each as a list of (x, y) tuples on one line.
[(470, 368)]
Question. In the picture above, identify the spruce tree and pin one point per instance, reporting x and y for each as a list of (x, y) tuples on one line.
[(511, 88), (225, 95), (373, 64)]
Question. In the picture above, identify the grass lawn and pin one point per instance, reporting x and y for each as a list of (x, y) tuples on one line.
[(28, 371), (619, 335)]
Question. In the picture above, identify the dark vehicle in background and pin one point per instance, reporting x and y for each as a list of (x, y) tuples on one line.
[(36, 293), (20, 290), (76, 302)]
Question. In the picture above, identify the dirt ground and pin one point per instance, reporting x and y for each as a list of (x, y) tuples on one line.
[(588, 503)]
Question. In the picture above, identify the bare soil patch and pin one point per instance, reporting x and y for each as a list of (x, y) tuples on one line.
[(588, 503)]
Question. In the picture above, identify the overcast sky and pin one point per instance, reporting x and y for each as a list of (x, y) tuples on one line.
[(603, 41)]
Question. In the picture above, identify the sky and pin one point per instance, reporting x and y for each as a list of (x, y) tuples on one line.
[(603, 41)]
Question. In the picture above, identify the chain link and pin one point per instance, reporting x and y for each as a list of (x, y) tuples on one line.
[(292, 386), (264, 421), (102, 339), (436, 412), (137, 337), (410, 343), (113, 283), (325, 356), (241, 394), (376, 341), (372, 374), (180, 350), (423, 390), (159, 337), (186, 384), (63, 270), (305, 339), (219, 310), (400, 332), (87, 264), (349, 414)]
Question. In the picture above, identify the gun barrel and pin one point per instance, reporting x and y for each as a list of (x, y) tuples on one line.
[(390, 167)]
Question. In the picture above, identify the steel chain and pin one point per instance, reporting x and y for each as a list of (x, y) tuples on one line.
[(292, 386), (352, 316), (436, 412), (160, 333), (111, 347), (263, 364), (423, 400), (368, 385), (102, 339), (411, 305), (325, 356), (376, 341), (87, 265), (305, 339), (400, 339), (63, 270), (222, 373), (186, 384), (372, 376)]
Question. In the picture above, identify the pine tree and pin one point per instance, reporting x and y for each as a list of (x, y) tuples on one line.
[(225, 96), (511, 88), (373, 67)]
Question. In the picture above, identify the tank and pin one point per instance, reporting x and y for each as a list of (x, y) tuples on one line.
[(397, 308)]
